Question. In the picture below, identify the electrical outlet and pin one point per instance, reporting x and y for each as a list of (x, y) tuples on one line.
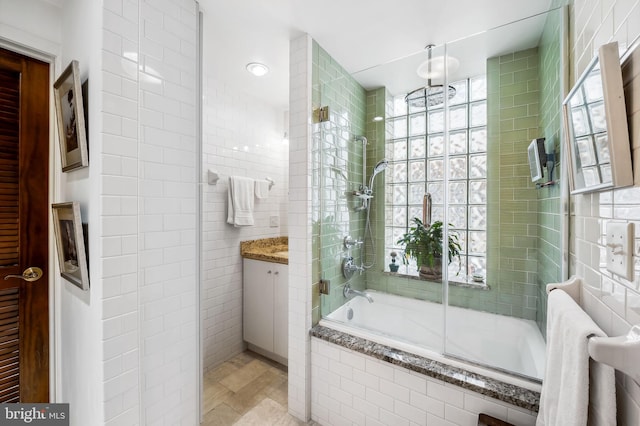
[(274, 221), (620, 249)]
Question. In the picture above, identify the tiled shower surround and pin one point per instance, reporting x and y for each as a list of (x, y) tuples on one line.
[(549, 205), (613, 303), (337, 173), (513, 104), (513, 206)]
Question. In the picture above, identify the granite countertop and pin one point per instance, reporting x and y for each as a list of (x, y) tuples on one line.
[(274, 250), (502, 391)]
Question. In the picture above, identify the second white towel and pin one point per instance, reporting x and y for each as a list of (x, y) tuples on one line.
[(240, 201), (262, 189), (565, 391)]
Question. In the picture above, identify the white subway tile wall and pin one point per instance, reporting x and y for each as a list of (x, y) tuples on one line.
[(243, 136), (148, 211), (167, 215), (119, 211), (300, 279), (610, 300), (349, 388)]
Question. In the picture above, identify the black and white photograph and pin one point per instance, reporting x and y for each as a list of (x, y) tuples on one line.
[(72, 257), (70, 119)]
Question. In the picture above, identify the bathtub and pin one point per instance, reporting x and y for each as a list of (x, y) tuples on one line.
[(506, 344)]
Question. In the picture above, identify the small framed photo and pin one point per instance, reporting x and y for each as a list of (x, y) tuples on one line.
[(70, 118), (70, 241)]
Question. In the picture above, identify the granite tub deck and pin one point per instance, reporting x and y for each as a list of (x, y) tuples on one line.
[(275, 250), (512, 394)]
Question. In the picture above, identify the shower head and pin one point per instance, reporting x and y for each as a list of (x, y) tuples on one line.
[(430, 95), (382, 164), (379, 168)]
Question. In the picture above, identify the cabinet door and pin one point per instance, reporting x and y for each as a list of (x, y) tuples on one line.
[(257, 312), (281, 311)]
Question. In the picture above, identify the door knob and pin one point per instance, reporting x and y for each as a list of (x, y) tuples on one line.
[(32, 273)]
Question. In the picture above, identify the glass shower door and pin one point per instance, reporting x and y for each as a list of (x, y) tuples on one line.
[(495, 302), (406, 309)]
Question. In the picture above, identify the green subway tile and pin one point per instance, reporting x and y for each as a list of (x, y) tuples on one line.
[(502, 59), (513, 112), (316, 315), (507, 125), (514, 89), (511, 299), (526, 99), (506, 102), (504, 309), (315, 295), (527, 53), (529, 74), (505, 79)]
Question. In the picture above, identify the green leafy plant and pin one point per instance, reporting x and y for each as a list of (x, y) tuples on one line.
[(424, 244)]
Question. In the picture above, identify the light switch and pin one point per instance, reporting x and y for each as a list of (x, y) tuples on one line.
[(274, 221), (620, 249)]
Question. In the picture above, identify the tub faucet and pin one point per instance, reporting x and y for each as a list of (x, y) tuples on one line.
[(349, 292)]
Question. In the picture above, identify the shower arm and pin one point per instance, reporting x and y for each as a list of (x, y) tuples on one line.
[(363, 192), (363, 186)]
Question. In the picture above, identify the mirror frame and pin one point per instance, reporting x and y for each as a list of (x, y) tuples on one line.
[(616, 124)]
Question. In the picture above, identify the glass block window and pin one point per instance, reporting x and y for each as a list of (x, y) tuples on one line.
[(418, 165)]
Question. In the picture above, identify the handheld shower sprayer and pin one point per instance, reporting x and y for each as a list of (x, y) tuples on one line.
[(379, 168)]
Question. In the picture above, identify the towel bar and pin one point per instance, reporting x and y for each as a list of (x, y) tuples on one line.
[(214, 177), (622, 352), (572, 287)]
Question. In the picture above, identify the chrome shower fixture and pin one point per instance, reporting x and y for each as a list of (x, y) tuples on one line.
[(430, 95), (379, 168), (365, 193)]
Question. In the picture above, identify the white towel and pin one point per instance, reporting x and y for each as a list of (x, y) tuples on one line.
[(565, 390), (240, 201), (262, 189)]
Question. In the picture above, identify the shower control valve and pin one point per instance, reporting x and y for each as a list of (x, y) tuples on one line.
[(349, 267), (350, 242)]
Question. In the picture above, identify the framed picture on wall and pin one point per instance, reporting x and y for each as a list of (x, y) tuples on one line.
[(67, 91), (70, 242)]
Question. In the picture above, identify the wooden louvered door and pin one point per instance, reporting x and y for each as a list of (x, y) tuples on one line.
[(24, 189)]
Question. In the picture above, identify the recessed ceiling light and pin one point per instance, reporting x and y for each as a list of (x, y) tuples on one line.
[(257, 69), (378, 118)]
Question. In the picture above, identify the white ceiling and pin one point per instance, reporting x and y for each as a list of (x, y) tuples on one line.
[(358, 34)]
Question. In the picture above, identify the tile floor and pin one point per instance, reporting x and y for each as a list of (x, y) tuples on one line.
[(249, 389)]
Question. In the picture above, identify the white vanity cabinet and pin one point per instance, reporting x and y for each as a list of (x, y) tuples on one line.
[(265, 307)]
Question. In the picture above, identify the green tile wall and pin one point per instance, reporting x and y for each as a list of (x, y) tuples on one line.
[(512, 254), (549, 205), (337, 172)]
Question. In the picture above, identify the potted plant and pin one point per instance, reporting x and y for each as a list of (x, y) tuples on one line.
[(424, 244)]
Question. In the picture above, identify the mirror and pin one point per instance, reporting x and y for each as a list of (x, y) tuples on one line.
[(595, 117)]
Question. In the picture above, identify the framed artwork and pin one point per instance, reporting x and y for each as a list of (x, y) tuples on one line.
[(70, 118), (70, 242)]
